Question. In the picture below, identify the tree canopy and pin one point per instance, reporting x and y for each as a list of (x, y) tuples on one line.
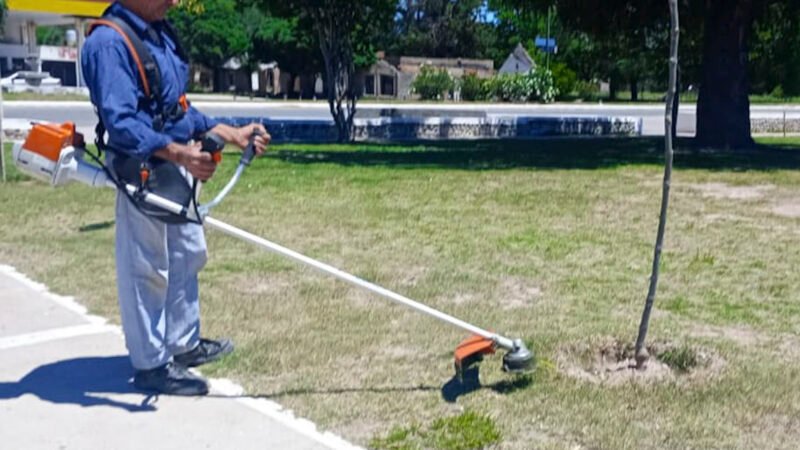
[(442, 28), (346, 33), (212, 34)]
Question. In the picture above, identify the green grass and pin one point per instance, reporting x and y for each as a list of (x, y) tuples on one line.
[(546, 240), (34, 96), (467, 431), (682, 359)]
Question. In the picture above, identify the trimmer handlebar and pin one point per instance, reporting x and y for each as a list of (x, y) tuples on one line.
[(213, 143), (250, 151)]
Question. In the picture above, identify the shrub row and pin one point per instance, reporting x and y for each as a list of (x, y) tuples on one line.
[(537, 85)]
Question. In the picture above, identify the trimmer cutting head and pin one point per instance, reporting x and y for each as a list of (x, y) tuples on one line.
[(470, 351), (519, 359)]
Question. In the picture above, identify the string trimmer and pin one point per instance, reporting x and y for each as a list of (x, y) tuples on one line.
[(55, 154)]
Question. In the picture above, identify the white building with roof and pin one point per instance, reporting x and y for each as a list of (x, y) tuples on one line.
[(519, 61)]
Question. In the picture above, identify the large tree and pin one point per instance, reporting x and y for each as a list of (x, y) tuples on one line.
[(212, 32), (284, 40), (346, 32), (723, 108), (442, 29), (723, 114), (775, 51)]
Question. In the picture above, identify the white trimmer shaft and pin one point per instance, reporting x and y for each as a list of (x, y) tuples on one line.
[(59, 168)]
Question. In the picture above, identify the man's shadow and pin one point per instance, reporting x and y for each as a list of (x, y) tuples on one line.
[(80, 381)]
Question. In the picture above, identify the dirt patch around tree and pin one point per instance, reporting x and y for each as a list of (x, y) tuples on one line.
[(609, 361)]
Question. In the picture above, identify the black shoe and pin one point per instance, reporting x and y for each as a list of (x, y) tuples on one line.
[(205, 352), (170, 379)]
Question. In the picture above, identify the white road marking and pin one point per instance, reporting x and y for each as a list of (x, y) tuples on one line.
[(277, 413), (41, 337), (224, 387)]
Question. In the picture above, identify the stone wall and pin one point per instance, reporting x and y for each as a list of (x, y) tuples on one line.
[(391, 129), (775, 124)]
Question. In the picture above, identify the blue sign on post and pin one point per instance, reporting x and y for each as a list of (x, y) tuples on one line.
[(547, 45)]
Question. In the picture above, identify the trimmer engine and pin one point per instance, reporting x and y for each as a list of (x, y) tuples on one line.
[(54, 154)]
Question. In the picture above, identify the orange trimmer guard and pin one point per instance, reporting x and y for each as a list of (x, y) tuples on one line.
[(470, 351)]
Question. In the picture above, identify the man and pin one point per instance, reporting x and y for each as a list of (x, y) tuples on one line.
[(157, 263)]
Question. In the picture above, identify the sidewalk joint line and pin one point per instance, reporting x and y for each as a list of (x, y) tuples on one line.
[(55, 334)]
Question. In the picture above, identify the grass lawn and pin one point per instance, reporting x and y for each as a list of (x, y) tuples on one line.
[(548, 240), (36, 96)]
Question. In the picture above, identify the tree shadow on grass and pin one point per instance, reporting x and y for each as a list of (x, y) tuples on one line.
[(80, 381), (572, 153)]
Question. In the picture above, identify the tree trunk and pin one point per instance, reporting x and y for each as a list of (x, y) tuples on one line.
[(676, 103), (337, 52), (791, 87), (613, 87), (723, 107), (634, 90), (642, 355)]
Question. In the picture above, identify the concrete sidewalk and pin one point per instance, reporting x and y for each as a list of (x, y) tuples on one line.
[(65, 384)]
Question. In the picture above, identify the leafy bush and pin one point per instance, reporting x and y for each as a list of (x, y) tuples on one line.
[(587, 90), (536, 85), (476, 89), (513, 87), (492, 87), (564, 78), (432, 84), (544, 88)]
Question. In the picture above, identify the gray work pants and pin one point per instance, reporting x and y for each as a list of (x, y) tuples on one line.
[(157, 267)]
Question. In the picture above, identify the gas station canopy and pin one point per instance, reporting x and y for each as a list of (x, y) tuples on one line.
[(74, 8)]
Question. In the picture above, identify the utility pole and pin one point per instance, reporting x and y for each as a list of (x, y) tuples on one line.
[(547, 42)]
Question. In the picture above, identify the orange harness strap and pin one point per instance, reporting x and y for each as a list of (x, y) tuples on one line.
[(131, 47)]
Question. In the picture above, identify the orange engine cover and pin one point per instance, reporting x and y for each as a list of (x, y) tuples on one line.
[(48, 140)]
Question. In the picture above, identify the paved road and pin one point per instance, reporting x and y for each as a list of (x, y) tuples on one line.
[(64, 384), (82, 113)]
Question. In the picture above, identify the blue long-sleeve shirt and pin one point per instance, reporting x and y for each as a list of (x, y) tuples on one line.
[(117, 92)]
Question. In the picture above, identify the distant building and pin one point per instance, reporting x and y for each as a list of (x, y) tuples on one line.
[(381, 80), (392, 76), (519, 61)]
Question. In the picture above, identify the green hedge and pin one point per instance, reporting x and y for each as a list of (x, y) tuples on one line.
[(432, 84)]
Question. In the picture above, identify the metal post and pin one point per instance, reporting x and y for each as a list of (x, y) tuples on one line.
[(547, 42), (81, 38)]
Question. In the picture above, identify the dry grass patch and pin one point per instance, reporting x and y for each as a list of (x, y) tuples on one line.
[(787, 208), (726, 191)]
